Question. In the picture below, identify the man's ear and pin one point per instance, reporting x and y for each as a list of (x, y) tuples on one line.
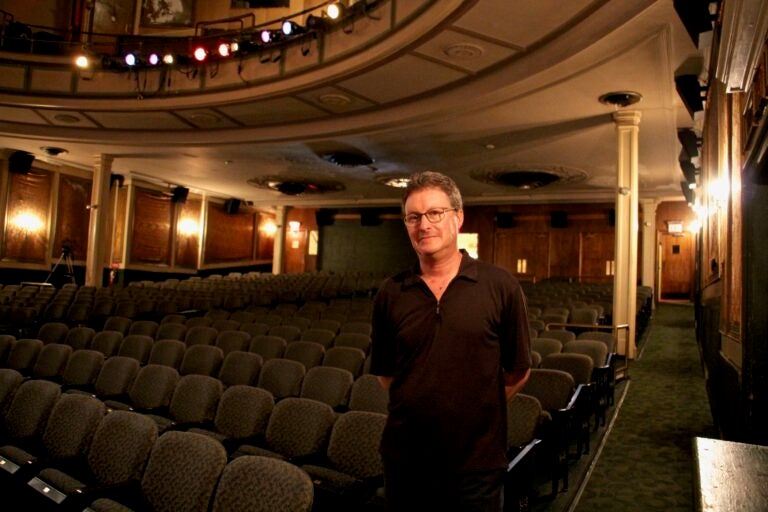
[(460, 217)]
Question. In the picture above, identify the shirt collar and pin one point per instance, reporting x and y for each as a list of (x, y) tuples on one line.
[(467, 270)]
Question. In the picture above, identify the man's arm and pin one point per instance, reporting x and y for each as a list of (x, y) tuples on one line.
[(385, 381), (513, 382)]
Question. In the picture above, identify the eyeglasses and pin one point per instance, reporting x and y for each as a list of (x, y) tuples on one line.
[(433, 216)]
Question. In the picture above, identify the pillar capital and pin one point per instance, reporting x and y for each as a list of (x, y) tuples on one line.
[(627, 117)]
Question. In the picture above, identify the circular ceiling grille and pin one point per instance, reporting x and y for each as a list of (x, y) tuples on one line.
[(529, 178)]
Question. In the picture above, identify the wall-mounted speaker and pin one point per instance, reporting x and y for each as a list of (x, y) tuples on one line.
[(324, 217), (559, 219), (505, 220), (612, 217), (232, 206), (370, 218), (20, 162), (180, 194)]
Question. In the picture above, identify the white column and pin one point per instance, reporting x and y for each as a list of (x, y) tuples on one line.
[(648, 262), (625, 278), (279, 247), (98, 241)]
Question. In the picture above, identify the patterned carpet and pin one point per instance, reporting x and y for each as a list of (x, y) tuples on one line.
[(642, 461)]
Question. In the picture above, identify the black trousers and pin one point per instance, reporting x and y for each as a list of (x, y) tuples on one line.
[(410, 487)]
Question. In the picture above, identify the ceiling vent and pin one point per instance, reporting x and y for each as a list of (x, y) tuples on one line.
[(295, 186), (529, 179)]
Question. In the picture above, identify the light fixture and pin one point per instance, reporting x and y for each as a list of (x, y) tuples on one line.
[(131, 59), (620, 98), (82, 61), (335, 10), (291, 28), (294, 226), (153, 59), (200, 54), (266, 36), (223, 50), (168, 58)]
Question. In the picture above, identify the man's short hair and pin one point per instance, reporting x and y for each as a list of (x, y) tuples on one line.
[(432, 179)]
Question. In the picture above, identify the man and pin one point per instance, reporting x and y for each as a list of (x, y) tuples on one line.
[(451, 344)]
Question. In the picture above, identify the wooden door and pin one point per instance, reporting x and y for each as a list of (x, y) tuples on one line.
[(677, 272)]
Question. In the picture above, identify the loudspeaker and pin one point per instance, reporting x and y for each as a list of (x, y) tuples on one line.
[(232, 205), (369, 218), (180, 195), (612, 217), (20, 162), (689, 89), (505, 220), (558, 219), (324, 217)]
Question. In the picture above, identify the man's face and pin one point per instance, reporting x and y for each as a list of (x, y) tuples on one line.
[(438, 239)]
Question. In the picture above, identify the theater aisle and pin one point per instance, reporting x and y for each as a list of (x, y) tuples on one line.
[(646, 462)]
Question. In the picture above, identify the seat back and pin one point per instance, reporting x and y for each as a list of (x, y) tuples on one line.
[(72, 424), (137, 346), (240, 368), (262, 484), (29, 410), (121, 446), (602, 336), (51, 361), (553, 388), (546, 346), (367, 394), (578, 365), (523, 418), (182, 472), (348, 358), (117, 323), (229, 340), (116, 376), (79, 337), (200, 335), (10, 380), (353, 447), (23, 355), (287, 332), (282, 377), (356, 326), (243, 412), (107, 342), (308, 353), (328, 385), (195, 399), (268, 347), (144, 327), (201, 360), (596, 350), (318, 335), (52, 332), (171, 331), (82, 369), (255, 328), (353, 339), (153, 387), (299, 427), (559, 334), (167, 352)]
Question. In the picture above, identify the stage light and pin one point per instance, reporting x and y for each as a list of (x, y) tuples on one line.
[(335, 10), (130, 59), (234, 47), (168, 58), (154, 59), (82, 61), (200, 54), (266, 36), (289, 28), (224, 50)]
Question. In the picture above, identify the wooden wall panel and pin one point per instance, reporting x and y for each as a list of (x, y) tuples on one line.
[(229, 236), (151, 240), (596, 249), (28, 217), (564, 253), (188, 244), (72, 216)]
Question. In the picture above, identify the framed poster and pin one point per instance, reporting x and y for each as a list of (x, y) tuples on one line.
[(167, 13)]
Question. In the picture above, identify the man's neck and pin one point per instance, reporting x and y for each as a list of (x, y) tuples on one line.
[(443, 267)]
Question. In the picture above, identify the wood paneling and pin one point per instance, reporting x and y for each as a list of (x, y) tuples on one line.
[(187, 244), (229, 236), (28, 217), (72, 216), (151, 240)]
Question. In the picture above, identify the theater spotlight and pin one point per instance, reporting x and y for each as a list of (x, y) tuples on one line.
[(291, 28), (224, 50), (82, 61), (200, 54), (168, 58), (131, 59), (153, 59), (266, 36), (335, 10)]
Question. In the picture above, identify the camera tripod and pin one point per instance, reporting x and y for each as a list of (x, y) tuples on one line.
[(66, 257)]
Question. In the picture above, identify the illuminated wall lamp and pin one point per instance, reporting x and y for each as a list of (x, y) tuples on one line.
[(294, 226)]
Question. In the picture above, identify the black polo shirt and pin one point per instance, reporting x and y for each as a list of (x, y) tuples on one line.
[(447, 406)]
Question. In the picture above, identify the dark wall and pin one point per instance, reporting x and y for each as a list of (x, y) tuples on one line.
[(346, 245)]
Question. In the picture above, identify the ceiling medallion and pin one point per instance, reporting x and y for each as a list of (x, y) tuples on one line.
[(463, 51), (529, 177), (294, 186), (334, 100)]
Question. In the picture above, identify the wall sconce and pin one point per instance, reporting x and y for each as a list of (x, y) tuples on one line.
[(294, 226), (269, 228), (188, 227)]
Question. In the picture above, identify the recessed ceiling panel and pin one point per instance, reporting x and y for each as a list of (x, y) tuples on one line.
[(67, 118), (402, 78), (335, 100), (139, 120), (465, 52), (279, 110), (207, 119), (50, 80), (19, 115), (12, 77), (521, 22)]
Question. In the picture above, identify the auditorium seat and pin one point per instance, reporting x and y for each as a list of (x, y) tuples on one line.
[(52, 332), (151, 390), (115, 378), (255, 328), (318, 335), (308, 353), (367, 394), (200, 335), (297, 431), (9, 383), (120, 324), (229, 340), (524, 416), (282, 377), (353, 339), (51, 362), (262, 484), (107, 342), (143, 327), (288, 332), (167, 352), (6, 342), (201, 360), (137, 346), (356, 326), (79, 337), (23, 355), (82, 370), (240, 367), (193, 404), (328, 385), (546, 346), (348, 358), (225, 324), (268, 347), (25, 420), (241, 417), (352, 471)]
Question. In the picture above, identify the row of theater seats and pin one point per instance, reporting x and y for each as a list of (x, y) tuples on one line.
[(64, 450)]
